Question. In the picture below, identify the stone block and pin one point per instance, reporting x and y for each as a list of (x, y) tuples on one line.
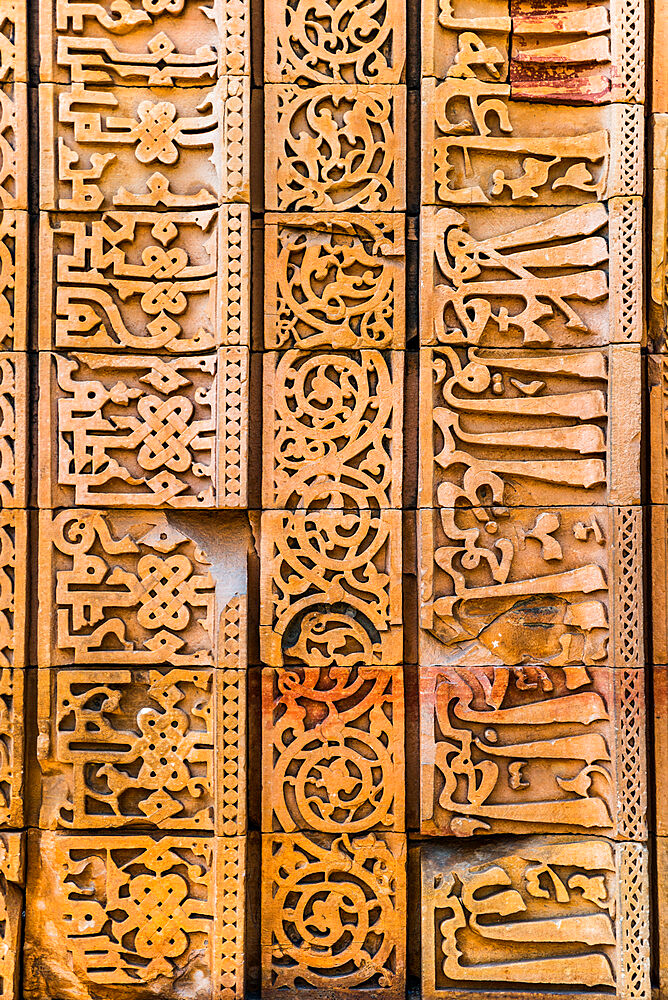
[(14, 41), (13, 588), (333, 749), (131, 431), (13, 280), (332, 429), (13, 430), (12, 867), (14, 147), (151, 587), (334, 280), (12, 735)]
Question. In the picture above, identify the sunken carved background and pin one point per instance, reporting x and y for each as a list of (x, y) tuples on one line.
[(325, 359)]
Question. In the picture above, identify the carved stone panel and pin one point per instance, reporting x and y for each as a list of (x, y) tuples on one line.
[(149, 282), (123, 431), (541, 427), (14, 145), (548, 586), (12, 726), (527, 916), (333, 915), (330, 590), (174, 148), (532, 749), (561, 277), (334, 280), (659, 591), (12, 869), (13, 279), (557, 52), (329, 42), (143, 44), (358, 162), (333, 429), (13, 429), (134, 917), (332, 754), (163, 749), (13, 41), (657, 306), (546, 154), (13, 588), (154, 587)]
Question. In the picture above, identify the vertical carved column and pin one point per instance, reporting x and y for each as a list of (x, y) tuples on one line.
[(137, 848), (531, 646), (14, 482), (333, 827)]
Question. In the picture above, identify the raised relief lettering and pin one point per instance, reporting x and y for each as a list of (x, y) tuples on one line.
[(152, 587), (13, 280), (157, 749), (333, 423), (142, 916), (533, 914), (355, 162), (523, 749), (146, 281), (333, 912), (331, 42), (334, 280), (332, 749), (138, 431), (331, 588)]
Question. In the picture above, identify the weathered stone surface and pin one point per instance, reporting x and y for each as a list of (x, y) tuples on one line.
[(12, 868), (532, 749), (330, 590), (522, 277), (548, 915), (159, 749), (134, 916), (657, 311), (333, 753), (148, 44), (13, 280), (13, 429), (547, 155), (556, 586), (358, 162), (333, 915), (13, 41), (13, 588), (328, 42), (333, 424), (12, 733), (172, 148), (334, 280), (14, 146), (123, 431), (157, 588), (143, 281), (541, 427)]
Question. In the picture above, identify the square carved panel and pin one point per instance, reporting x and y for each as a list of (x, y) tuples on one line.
[(154, 587), (150, 282), (159, 749), (124, 431), (334, 280)]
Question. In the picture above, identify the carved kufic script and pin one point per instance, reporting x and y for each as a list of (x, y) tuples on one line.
[(523, 749), (13, 588), (143, 431), (332, 429), (13, 279), (12, 873), (334, 280), (329, 42), (356, 163), (130, 748), (12, 706), (331, 588), (333, 756), (142, 44), (530, 585), (135, 916), (531, 278), (530, 914), (500, 152), (549, 427), (333, 914), (137, 585), (173, 148), (145, 281)]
